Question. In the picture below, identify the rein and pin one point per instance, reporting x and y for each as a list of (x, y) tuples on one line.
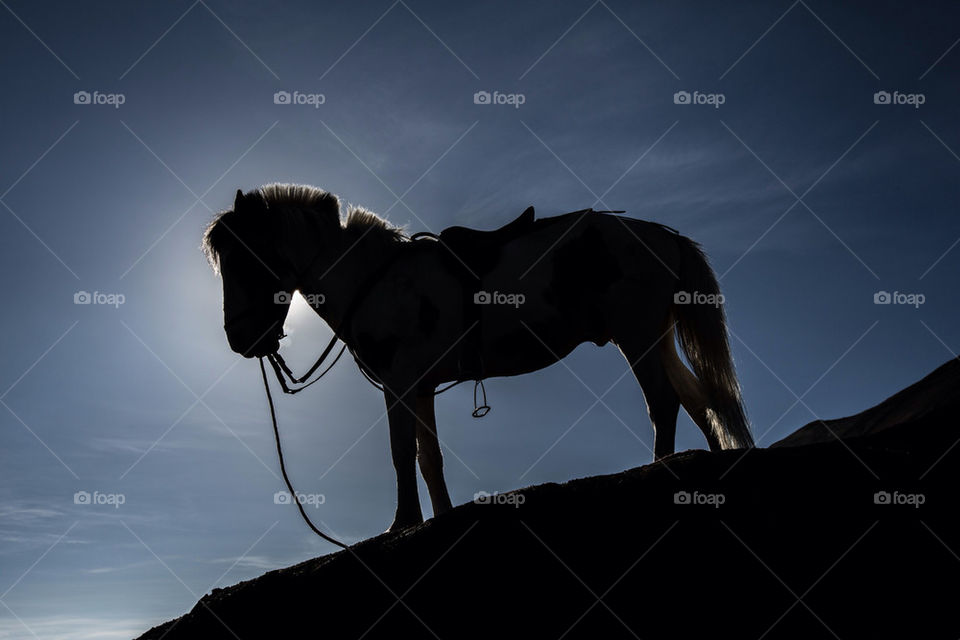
[(281, 369), (283, 468)]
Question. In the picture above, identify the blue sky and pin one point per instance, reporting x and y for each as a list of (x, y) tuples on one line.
[(809, 196)]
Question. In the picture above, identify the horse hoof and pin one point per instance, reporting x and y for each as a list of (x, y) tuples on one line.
[(399, 524)]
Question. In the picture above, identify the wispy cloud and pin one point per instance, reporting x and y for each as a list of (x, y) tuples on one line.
[(71, 628)]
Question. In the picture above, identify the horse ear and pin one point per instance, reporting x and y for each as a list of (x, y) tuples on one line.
[(238, 201)]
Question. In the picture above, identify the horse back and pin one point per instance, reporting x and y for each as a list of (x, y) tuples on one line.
[(577, 278)]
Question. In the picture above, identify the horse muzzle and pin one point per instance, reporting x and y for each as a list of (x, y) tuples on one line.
[(253, 348), (252, 343), (258, 349)]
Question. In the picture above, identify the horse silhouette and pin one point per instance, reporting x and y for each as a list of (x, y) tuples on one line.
[(420, 312)]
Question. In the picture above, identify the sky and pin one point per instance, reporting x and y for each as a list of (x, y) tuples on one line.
[(811, 148)]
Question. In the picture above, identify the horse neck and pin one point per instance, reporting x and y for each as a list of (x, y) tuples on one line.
[(335, 281)]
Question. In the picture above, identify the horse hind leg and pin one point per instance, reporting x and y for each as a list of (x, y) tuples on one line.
[(688, 388), (662, 400)]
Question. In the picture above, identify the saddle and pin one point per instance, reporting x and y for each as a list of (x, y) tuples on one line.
[(472, 254), (479, 251)]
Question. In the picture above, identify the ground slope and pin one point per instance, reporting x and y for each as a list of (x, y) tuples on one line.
[(815, 537)]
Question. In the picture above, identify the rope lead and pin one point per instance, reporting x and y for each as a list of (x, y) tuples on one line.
[(283, 467)]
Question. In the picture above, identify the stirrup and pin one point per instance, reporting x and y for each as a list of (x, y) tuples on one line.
[(480, 410)]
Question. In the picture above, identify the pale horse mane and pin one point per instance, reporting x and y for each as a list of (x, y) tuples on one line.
[(281, 204)]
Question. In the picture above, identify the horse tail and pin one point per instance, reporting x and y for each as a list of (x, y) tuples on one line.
[(702, 333)]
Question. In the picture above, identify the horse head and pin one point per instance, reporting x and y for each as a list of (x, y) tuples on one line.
[(263, 249), (257, 285)]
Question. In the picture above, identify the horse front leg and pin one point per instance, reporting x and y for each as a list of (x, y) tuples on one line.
[(403, 446), (428, 453)]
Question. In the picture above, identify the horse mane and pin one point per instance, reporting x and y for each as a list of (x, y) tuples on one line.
[(360, 222), (275, 201), (299, 196)]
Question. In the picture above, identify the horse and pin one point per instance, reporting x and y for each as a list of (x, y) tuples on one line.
[(418, 312)]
